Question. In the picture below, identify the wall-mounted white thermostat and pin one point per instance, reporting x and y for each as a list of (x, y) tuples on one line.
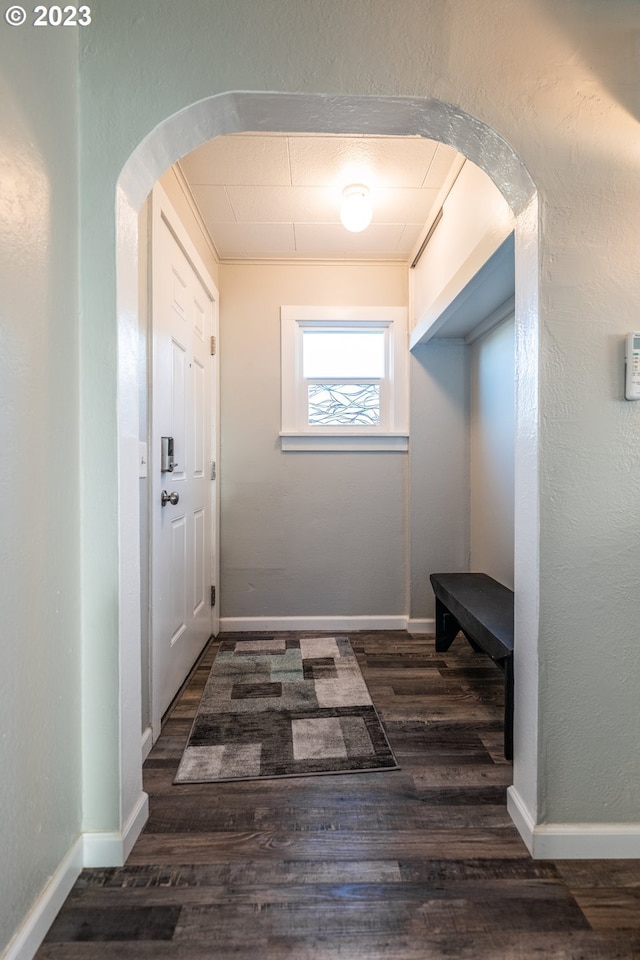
[(632, 366)]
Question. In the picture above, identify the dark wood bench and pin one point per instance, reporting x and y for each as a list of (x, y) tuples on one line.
[(482, 609)]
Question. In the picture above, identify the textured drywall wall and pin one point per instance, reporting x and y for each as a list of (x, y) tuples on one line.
[(40, 780), (304, 533), (492, 452), (439, 467), (558, 81)]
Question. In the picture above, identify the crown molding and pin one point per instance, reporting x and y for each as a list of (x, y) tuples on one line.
[(189, 197), (308, 262)]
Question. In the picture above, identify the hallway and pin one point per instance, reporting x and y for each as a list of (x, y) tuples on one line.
[(413, 864)]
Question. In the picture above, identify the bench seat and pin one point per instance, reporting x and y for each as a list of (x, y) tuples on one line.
[(482, 609)]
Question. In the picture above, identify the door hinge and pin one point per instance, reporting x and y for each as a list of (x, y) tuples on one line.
[(213, 346), (213, 596), (213, 470)]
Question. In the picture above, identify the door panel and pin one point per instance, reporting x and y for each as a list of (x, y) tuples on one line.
[(178, 577), (184, 539), (199, 319), (199, 589)]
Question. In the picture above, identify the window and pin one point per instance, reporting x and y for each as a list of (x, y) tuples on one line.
[(344, 378)]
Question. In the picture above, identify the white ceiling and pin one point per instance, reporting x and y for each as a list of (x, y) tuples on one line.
[(277, 196)]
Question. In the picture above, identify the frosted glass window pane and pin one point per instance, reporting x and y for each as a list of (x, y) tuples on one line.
[(348, 354), (344, 404)]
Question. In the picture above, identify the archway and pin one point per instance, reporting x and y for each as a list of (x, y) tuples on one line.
[(274, 112)]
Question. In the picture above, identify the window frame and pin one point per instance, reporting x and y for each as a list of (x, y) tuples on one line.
[(392, 433)]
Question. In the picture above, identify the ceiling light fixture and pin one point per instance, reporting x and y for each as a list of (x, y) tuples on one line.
[(356, 211)]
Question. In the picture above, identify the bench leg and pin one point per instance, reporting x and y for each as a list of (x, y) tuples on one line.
[(474, 646), (447, 627), (508, 707)]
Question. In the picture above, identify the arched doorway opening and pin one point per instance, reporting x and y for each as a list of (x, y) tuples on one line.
[(273, 112)]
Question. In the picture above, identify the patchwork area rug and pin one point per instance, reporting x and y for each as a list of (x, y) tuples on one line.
[(284, 707)]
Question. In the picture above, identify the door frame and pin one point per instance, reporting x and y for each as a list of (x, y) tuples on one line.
[(161, 209), (237, 112)]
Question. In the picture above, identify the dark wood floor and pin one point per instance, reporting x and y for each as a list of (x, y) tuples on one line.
[(417, 864)]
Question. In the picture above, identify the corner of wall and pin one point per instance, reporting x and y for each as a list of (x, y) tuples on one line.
[(39, 918)]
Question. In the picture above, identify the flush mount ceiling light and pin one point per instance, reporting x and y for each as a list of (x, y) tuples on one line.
[(355, 211)]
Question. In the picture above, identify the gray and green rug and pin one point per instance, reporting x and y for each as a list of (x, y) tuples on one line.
[(284, 707)]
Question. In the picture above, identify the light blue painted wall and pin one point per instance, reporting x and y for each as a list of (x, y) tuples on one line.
[(40, 728), (492, 411), (439, 467), (559, 83)]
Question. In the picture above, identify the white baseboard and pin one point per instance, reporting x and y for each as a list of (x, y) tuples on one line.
[(586, 841), (111, 849), (574, 841), (519, 813), (89, 850), (249, 624), (147, 743), (134, 824), (34, 928), (421, 626)]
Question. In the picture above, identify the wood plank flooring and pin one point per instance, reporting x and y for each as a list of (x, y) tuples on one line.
[(423, 863)]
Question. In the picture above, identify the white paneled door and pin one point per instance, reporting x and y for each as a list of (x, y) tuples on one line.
[(183, 556)]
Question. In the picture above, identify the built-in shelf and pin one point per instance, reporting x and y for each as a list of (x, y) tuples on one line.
[(482, 303)]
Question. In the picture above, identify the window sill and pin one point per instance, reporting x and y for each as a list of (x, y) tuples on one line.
[(370, 442)]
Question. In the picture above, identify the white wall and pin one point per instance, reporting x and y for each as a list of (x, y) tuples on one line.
[(476, 219), (40, 780), (144, 347), (180, 197), (303, 534), (492, 452)]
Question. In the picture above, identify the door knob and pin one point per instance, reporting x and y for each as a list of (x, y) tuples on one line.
[(169, 498)]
